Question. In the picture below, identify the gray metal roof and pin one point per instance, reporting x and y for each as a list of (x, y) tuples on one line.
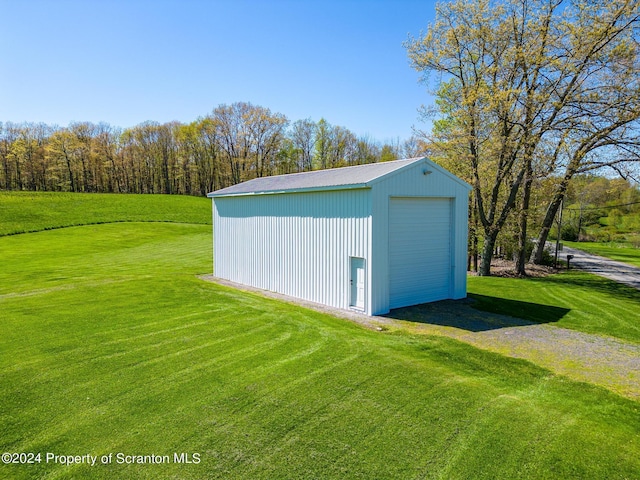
[(358, 176)]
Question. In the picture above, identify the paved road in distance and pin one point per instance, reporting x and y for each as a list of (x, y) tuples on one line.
[(611, 269)]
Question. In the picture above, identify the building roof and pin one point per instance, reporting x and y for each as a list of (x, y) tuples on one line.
[(358, 176)]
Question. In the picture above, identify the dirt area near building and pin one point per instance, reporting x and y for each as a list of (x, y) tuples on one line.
[(506, 268)]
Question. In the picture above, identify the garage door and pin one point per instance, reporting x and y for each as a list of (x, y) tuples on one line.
[(419, 250)]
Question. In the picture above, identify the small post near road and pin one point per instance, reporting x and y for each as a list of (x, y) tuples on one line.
[(569, 257)]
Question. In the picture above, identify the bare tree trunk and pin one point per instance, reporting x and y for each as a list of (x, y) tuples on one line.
[(521, 260), (7, 173), (71, 179), (487, 252), (554, 206), (472, 261), (547, 223), (166, 187), (475, 240)]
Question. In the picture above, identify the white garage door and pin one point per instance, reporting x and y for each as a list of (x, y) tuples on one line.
[(419, 250)]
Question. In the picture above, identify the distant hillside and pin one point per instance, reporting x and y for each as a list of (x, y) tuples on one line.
[(22, 212), (600, 209)]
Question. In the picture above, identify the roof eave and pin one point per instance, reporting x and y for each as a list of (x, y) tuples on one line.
[(387, 175), (354, 186), (432, 164)]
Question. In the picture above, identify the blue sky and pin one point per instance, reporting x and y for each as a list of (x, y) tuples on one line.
[(125, 62)]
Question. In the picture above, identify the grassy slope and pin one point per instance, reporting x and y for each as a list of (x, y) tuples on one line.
[(619, 252), (34, 211), (585, 302), (109, 343)]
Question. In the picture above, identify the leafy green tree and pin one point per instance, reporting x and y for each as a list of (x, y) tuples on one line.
[(322, 145), (529, 88), (8, 136), (198, 152), (266, 130), (303, 137), (61, 148), (367, 151), (106, 145), (343, 144), (388, 153), (249, 138)]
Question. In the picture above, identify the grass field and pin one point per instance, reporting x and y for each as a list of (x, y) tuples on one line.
[(22, 212), (621, 252), (111, 343), (589, 303)]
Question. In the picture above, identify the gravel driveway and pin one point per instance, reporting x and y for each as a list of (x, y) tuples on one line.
[(604, 361), (617, 271)]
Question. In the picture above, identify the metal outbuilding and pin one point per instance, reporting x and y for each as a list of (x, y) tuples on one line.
[(369, 237)]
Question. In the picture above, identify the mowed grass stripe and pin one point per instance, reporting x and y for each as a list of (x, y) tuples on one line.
[(242, 405), (597, 316), (167, 349), (171, 380)]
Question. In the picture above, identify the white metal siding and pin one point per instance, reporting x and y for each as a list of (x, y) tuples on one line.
[(419, 250), (298, 244)]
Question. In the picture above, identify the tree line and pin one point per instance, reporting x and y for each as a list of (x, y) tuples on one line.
[(233, 144)]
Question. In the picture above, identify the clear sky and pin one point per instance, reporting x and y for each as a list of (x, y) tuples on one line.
[(128, 61)]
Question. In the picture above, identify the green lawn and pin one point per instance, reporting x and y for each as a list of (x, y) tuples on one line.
[(621, 252), (111, 343), (22, 212), (574, 299)]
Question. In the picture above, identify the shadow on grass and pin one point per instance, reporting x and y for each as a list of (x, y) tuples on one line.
[(479, 313), (533, 312)]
